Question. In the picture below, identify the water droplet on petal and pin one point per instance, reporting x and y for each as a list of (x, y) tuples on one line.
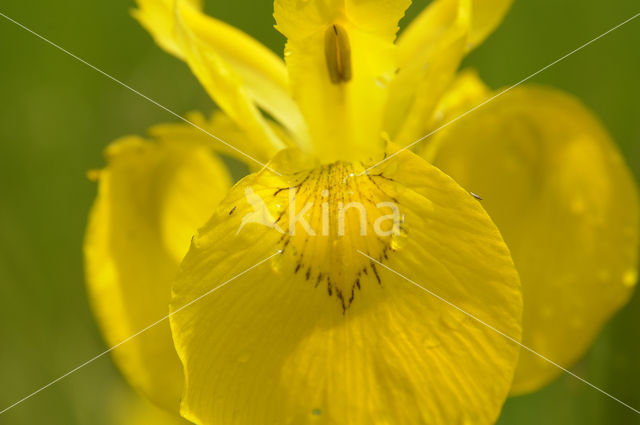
[(381, 83), (277, 263), (399, 236)]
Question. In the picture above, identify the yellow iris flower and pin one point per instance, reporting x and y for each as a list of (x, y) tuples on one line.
[(325, 332)]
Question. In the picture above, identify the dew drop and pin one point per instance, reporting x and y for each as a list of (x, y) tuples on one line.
[(316, 412), (277, 263), (399, 236), (397, 242)]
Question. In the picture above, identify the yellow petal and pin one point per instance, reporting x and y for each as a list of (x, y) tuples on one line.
[(321, 334), (429, 54), (236, 142), (131, 409), (261, 73), (465, 92), (151, 199), (485, 16), (556, 186), (157, 17), (430, 51), (341, 58)]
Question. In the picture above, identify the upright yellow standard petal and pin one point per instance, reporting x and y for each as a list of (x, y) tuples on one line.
[(322, 334), (157, 17), (485, 16), (341, 58), (223, 84), (262, 73), (559, 191), (463, 94), (236, 143), (151, 198), (429, 54)]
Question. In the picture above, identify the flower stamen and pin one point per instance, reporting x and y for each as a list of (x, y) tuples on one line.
[(337, 50)]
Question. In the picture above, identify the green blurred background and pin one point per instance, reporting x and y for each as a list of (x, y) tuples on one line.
[(56, 116)]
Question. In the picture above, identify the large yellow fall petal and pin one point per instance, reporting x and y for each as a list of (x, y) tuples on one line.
[(261, 73), (559, 191), (321, 334), (341, 58), (151, 199)]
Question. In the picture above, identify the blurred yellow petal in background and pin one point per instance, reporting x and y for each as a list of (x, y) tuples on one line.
[(152, 196), (129, 408), (555, 184)]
